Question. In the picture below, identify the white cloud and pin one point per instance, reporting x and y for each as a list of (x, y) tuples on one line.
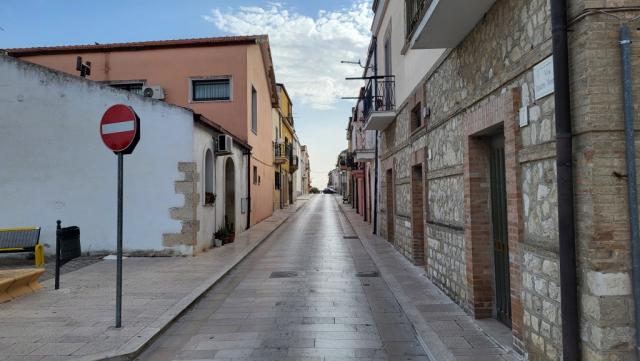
[(307, 50)]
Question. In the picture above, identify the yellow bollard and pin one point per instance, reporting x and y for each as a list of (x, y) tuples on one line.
[(39, 255)]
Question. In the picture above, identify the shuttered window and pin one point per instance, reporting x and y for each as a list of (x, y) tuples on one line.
[(211, 89)]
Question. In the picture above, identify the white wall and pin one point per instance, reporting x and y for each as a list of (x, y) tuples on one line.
[(240, 167), (408, 68), (203, 141), (212, 217), (53, 164)]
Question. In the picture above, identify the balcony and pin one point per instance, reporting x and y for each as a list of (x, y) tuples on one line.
[(415, 10), (347, 162), (294, 163), (365, 155), (442, 24), (379, 103), (281, 153)]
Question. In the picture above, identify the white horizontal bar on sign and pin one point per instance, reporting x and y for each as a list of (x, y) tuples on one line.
[(119, 127)]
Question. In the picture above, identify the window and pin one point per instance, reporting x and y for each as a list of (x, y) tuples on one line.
[(255, 175), (277, 180), (135, 88), (211, 89), (387, 56), (416, 117), (254, 110), (209, 196)]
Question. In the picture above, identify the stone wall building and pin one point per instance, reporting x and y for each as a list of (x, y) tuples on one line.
[(468, 162)]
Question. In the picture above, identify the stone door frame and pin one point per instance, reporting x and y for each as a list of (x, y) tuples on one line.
[(498, 110)]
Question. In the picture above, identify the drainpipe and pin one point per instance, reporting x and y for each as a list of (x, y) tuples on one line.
[(632, 190), (248, 154), (375, 186), (564, 158)]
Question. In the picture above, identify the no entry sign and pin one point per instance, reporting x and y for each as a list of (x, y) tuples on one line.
[(120, 132), (120, 129)]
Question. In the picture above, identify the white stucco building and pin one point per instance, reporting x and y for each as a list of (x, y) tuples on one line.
[(53, 165)]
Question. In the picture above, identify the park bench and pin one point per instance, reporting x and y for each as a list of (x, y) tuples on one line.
[(14, 240)]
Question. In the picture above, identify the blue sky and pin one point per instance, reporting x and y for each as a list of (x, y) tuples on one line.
[(308, 39)]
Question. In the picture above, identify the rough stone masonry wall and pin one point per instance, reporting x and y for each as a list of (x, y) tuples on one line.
[(187, 214), (397, 148), (497, 55)]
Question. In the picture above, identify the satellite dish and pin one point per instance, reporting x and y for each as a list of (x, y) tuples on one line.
[(148, 92)]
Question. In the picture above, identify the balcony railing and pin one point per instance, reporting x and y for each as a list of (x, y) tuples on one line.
[(282, 152), (347, 162), (415, 11), (294, 163), (380, 95)]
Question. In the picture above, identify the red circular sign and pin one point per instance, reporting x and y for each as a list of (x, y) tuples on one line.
[(120, 128)]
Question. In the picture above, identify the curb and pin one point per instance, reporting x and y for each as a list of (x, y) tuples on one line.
[(144, 338), (429, 340)]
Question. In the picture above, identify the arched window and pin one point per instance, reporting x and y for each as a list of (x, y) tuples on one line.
[(209, 196)]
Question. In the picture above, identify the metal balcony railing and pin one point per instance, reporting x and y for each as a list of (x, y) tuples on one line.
[(294, 163), (416, 9), (282, 151), (379, 95), (347, 162)]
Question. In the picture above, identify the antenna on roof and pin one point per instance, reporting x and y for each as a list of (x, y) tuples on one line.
[(354, 63)]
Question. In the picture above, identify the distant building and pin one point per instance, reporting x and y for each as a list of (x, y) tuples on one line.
[(305, 170)]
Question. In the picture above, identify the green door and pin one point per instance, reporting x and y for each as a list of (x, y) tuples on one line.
[(500, 235)]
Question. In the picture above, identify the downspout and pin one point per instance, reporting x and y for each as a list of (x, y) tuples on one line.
[(632, 189), (375, 185), (248, 154), (564, 159)]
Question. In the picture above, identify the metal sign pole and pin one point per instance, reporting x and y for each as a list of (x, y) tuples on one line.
[(119, 256), (57, 281)]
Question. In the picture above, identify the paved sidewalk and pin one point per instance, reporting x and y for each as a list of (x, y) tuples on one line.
[(446, 331), (76, 322)]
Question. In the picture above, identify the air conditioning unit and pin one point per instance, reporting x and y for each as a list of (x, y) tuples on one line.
[(223, 144), (153, 91)]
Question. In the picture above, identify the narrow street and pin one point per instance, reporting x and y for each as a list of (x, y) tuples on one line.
[(307, 293)]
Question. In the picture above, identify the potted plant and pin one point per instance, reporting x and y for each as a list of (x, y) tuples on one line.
[(229, 233), (219, 236)]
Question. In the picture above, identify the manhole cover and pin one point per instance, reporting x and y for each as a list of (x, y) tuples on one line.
[(367, 274), (350, 237), (283, 274)]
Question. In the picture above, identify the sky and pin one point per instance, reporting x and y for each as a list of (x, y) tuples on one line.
[(308, 40)]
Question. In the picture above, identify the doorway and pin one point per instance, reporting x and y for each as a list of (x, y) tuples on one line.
[(500, 230), (390, 207), (230, 194), (417, 215)]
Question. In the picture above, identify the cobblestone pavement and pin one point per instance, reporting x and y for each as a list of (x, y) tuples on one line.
[(307, 293), (50, 265)]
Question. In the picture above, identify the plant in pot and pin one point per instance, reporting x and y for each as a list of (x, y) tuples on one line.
[(229, 233), (219, 236)]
